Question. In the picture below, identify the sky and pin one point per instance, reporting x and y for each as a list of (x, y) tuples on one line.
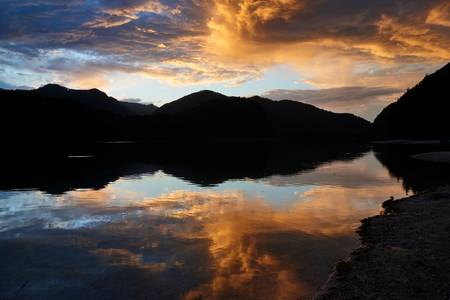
[(345, 56)]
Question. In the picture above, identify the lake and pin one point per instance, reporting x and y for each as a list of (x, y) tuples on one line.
[(89, 227)]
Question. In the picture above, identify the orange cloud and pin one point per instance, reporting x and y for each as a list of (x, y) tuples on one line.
[(266, 33), (414, 39), (241, 18), (440, 15), (238, 225)]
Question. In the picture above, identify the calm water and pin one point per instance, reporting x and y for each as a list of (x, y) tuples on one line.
[(139, 232)]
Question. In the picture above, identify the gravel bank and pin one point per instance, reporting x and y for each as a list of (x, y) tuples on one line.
[(405, 253)]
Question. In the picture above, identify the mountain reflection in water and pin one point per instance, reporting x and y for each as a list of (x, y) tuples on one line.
[(149, 230)]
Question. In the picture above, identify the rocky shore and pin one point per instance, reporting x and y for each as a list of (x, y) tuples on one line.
[(405, 253)]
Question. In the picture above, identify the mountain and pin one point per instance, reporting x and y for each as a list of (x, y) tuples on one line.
[(55, 113), (192, 101), (421, 113), (208, 114), (138, 109), (95, 99)]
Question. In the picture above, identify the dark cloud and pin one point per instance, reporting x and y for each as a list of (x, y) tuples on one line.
[(133, 100), (291, 21), (364, 101), (326, 96)]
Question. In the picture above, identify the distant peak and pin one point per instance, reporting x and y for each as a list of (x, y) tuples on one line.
[(202, 96), (52, 86), (257, 98), (97, 92), (207, 93), (56, 89)]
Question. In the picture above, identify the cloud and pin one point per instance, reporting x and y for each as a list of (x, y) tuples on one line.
[(184, 42), (133, 100), (364, 101), (439, 15), (330, 43)]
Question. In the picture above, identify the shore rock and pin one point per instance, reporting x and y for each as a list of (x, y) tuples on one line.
[(405, 253)]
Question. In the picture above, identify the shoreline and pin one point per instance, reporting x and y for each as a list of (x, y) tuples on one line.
[(436, 157), (404, 253)]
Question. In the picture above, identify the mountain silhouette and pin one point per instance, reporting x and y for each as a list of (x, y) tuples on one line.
[(209, 115), (94, 99), (421, 113), (54, 113), (138, 109)]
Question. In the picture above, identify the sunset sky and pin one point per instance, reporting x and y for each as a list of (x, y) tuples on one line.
[(347, 55)]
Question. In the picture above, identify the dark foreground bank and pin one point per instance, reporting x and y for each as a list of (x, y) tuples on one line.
[(404, 253)]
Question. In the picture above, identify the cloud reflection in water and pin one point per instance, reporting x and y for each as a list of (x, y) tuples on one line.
[(213, 243)]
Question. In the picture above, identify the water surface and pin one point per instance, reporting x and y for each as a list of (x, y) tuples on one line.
[(152, 232)]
